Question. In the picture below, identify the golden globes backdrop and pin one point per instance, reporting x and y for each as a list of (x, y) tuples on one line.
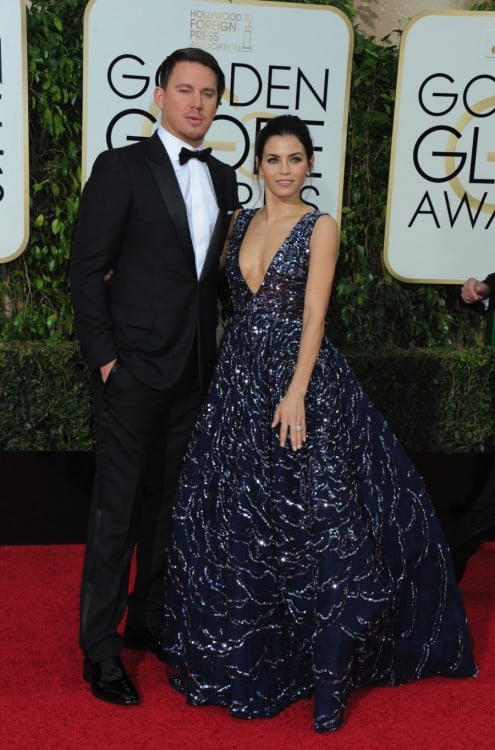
[(277, 57), (14, 154), (441, 201)]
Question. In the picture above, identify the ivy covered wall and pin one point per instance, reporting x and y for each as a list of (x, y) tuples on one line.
[(369, 308)]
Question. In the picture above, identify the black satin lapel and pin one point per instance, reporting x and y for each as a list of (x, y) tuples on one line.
[(214, 249), (218, 183), (165, 178)]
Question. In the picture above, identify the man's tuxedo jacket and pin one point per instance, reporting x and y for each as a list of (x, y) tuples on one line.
[(490, 280), (133, 220)]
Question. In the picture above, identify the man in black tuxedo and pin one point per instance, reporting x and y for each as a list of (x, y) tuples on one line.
[(155, 215), (466, 533)]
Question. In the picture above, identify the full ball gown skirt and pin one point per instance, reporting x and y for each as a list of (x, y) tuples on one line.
[(310, 572)]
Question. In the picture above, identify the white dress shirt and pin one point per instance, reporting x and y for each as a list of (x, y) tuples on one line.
[(199, 196)]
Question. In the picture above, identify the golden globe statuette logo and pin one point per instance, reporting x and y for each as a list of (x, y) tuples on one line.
[(481, 203)]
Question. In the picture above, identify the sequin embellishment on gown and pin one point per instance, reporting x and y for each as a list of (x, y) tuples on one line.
[(310, 572)]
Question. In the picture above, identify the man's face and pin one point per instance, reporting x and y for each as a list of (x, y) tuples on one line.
[(189, 102)]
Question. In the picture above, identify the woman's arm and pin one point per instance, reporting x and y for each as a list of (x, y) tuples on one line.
[(324, 250)]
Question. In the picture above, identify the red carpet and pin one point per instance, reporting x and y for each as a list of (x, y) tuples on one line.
[(45, 704)]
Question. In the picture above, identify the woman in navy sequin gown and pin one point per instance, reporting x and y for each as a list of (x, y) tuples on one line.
[(306, 558)]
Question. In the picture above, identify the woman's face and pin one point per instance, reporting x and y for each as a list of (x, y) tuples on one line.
[(284, 165)]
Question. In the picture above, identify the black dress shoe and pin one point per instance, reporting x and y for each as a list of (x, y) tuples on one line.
[(109, 681), (145, 639)]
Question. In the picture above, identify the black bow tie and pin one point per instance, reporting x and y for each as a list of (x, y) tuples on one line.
[(186, 154)]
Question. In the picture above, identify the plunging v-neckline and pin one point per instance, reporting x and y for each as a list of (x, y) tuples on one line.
[(275, 254)]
